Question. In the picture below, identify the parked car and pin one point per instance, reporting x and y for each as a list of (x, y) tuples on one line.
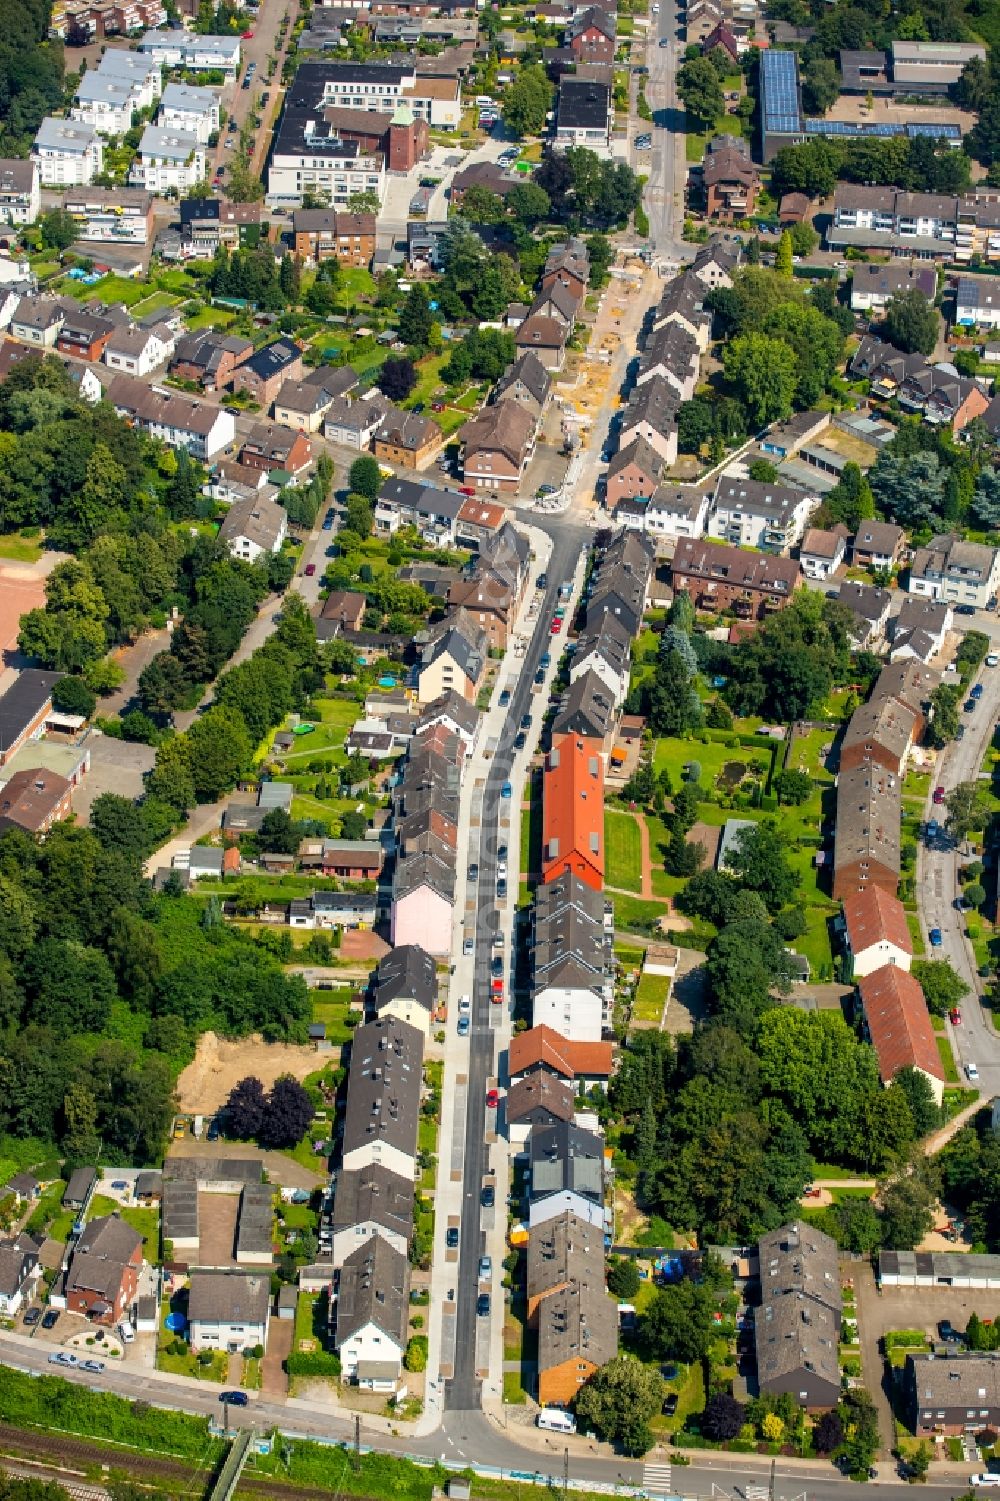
[(485, 1268), (520, 740), (95, 1367), (670, 1404), (984, 1478), (492, 1099), (935, 937), (955, 1016), (525, 721), (32, 1316), (972, 1073), (965, 609), (468, 946), (483, 1306), (506, 790), (235, 1399), (504, 697), (451, 1237), (310, 570), (939, 794), (463, 1026), (488, 1197), (50, 1318), (992, 659), (473, 871), (977, 691), (501, 887), (541, 581)]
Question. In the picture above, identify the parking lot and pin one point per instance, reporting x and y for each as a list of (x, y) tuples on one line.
[(115, 766)]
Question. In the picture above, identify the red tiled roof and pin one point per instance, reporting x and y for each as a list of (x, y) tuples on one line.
[(545, 1045), (876, 916), (573, 810), (899, 1023)]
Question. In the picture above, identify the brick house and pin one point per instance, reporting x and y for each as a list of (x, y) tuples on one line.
[(324, 232), (591, 35), (263, 374), (633, 471), (84, 334), (730, 180), (496, 446), (724, 578), (209, 358), (408, 439), (269, 447), (34, 800), (103, 1275)]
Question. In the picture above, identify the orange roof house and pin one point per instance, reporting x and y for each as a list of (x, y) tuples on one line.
[(899, 1026), (573, 811), (542, 1048), (876, 931)]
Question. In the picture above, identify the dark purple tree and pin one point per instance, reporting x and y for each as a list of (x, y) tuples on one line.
[(828, 1432), (397, 378), (287, 1113), (245, 1109), (723, 1417)]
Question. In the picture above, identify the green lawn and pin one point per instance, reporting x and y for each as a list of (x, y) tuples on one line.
[(145, 1222), (650, 999), (947, 1059), (337, 715), (623, 845), (124, 289), (156, 302), (211, 317), (18, 549), (631, 912), (807, 754), (333, 1007)]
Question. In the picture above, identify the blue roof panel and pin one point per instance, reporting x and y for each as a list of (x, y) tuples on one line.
[(779, 78)]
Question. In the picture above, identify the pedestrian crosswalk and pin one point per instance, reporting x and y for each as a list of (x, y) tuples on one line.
[(656, 1480)]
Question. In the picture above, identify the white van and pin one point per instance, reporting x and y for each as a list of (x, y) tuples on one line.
[(556, 1419), (127, 1333)]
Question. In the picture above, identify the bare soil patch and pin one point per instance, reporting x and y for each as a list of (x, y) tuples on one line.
[(220, 1064)]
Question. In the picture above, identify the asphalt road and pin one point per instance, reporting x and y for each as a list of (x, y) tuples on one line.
[(663, 195), (462, 1392), (938, 864)]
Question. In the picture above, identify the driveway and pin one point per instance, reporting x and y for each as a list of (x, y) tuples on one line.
[(274, 1381)]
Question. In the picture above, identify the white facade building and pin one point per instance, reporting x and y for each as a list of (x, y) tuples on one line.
[(199, 54), (68, 152), (20, 192), (189, 111), (752, 513), (105, 103), (168, 161), (142, 72)]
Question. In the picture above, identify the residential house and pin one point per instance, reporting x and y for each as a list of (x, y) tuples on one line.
[(604, 649), (423, 900), (587, 709), (797, 1327), (210, 357), (568, 262), (454, 656), (168, 161), (84, 334), (193, 52), (346, 607), (25, 709), (591, 34), (752, 513), (490, 601), (651, 413), (344, 859), (874, 286), (634, 471), (207, 224), (455, 714), (312, 154), (67, 153), (477, 523), (264, 373), (670, 351), (542, 1048), (430, 510), (134, 350), (957, 1392), (558, 301), (878, 218), (545, 338), (37, 321), (276, 449), (189, 111), (867, 840), (228, 1310), (920, 628), (730, 179), (383, 1096), (20, 1269), (557, 1251), (671, 511), (911, 684), (572, 960), (937, 392), (722, 578), (353, 424), (176, 420), (527, 382), (715, 263), (405, 986), (584, 114), (821, 552), (103, 1274), (573, 810), (955, 571), (567, 1173), (370, 1201), (142, 72), (33, 800), (373, 1314), (497, 445), (304, 404), (79, 1189), (881, 732), (20, 191), (487, 175), (577, 1332), (253, 528), (407, 439), (536, 1100), (878, 545), (977, 303), (876, 933), (683, 302), (619, 584), (870, 608), (898, 1025)]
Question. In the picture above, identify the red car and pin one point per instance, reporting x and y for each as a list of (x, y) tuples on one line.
[(492, 1099), (310, 570), (555, 627), (955, 1017), (496, 985), (497, 997), (939, 794), (467, 489), (248, 36)]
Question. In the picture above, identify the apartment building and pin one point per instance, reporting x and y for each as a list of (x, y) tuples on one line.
[(584, 114), (176, 420), (722, 577), (194, 53), (186, 110), (105, 103), (753, 513), (380, 87), (898, 1026), (117, 216), (321, 233), (956, 571), (20, 191), (309, 155), (68, 153), (867, 840), (168, 161)]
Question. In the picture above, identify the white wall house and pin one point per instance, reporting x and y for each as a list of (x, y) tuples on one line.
[(423, 915), (20, 1271), (68, 152), (20, 192), (199, 54), (576, 1013), (749, 513), (189, 111), (543, 1210), (143, 73), (671, 511), (956, 571), (977, 304), (309, 157), (168, 161), (228, 1310), (137, 351), (105, 103)]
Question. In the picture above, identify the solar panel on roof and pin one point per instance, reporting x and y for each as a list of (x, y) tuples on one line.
[(779, 76), (882, 130)]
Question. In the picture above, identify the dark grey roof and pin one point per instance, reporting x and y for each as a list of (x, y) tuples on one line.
[(797, 1341), (109, 1237), (374, 1288), (799, 1323), (578, 1322), (374, 1195), (179, 1211), (640, 454), (450, 706), (672, 347), (608, 639), (539, 1099), (583, 104), (560, 1250), (213, 1169), (656, 401), (24, 700), (383, 1089), (271, 359), (864, 600), (255, 1226), (758, 497), (566, 1157), (407, 973), (81, 1182), (425, 869), (528, 371), (910, 682), (963, 1379), (799, 1258), (229, 1297), (869, 805), (587, 708), (148, 1183), (463, 641)]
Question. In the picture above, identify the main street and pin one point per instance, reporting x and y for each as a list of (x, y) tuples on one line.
[(663, 197), (938, 863)]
